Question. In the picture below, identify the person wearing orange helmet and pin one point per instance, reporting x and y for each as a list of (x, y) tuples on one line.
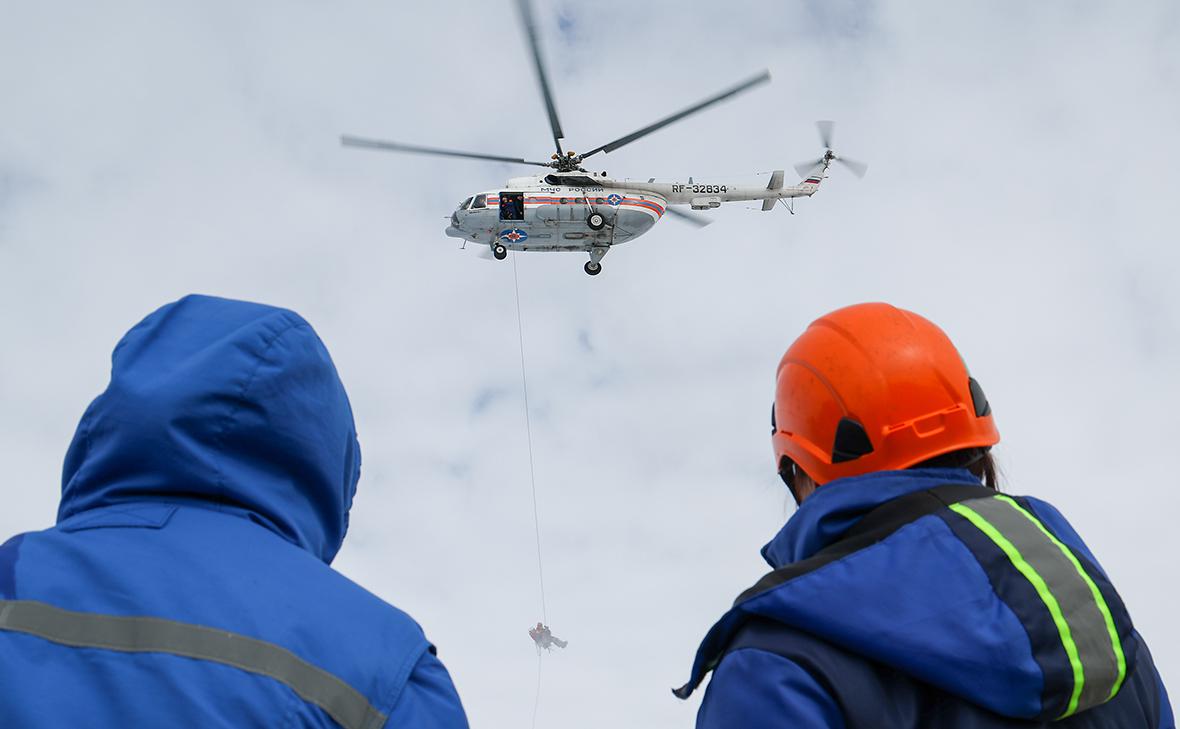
[(907, 590)]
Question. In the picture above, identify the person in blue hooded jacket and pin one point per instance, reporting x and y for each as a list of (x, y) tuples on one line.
[(187, 580), (907, 591)]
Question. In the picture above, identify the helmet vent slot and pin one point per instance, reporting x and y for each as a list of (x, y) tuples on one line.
[(852, 441), (982, 407)]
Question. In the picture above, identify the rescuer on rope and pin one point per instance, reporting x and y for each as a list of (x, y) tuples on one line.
[(544, 638)]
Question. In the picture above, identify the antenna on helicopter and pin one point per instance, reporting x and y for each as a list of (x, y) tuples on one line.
[(826, 129)]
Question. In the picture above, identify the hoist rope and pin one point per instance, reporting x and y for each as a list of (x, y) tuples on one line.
[(537, 701), (524, 382), (528, 428)]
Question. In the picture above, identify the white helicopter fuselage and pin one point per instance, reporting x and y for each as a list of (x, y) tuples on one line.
[(702, 196), (573, 209), (555, 212)]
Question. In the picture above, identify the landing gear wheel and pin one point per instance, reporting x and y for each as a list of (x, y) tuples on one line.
[(592, 268), (596, 221), (500, 252)]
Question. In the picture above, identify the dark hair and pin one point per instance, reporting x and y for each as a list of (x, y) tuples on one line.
[(978, 461)]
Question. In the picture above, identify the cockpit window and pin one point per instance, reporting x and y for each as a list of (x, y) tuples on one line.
[(465, 204), (481, 201)]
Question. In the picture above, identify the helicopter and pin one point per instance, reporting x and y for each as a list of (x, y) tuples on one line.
[(571, 208)]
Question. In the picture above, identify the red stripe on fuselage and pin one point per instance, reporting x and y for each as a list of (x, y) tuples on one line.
[(633, 202)]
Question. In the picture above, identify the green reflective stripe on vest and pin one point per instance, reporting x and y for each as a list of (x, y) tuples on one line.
[(1115, 643), (347, 706), (1082, 617), (1042, 589)]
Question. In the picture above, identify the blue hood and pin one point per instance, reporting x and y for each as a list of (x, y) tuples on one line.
[(918, 600), (227, 405)]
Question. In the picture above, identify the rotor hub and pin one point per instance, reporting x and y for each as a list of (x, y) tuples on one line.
[(570, 162)]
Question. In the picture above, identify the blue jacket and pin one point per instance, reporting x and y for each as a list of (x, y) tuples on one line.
[(186, 582), (920, 599)]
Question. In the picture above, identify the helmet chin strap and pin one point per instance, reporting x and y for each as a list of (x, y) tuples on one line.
[(788, 472)]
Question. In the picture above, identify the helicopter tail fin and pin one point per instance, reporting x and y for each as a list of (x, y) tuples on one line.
[(811, 178), (776, 183)]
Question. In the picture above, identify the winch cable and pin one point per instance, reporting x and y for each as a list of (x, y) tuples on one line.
[(537, 700), (524, 383)]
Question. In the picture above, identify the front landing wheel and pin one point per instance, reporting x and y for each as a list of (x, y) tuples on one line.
[(592, 268), (500, 252), (596, 221)]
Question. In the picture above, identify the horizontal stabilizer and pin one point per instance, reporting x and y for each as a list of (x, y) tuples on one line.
[(776, 183)]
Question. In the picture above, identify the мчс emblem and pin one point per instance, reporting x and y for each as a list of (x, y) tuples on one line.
[(513, 235)]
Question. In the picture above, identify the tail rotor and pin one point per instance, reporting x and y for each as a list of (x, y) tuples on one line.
[(809, 167)]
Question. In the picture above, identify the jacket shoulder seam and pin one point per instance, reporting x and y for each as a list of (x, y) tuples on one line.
[(402, 677)]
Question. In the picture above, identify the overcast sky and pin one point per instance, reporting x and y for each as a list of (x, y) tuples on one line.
[(1022, 194)]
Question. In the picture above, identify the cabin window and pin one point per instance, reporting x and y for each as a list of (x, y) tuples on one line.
[(481, 201), (564, 200), (599, 201), (512, 206)]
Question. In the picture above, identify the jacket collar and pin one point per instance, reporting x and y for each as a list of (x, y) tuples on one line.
[(837, 506)]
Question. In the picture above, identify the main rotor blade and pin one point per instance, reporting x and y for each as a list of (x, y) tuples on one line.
[(612, 146), (806, 168), (349, 141), (699, 221), (858, 168), (530, 30), (826, 128)]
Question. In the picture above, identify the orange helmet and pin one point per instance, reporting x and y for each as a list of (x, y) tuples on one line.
[(874, 388)]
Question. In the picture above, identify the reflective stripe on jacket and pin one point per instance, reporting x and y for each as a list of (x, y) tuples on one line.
[(966, 607)]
